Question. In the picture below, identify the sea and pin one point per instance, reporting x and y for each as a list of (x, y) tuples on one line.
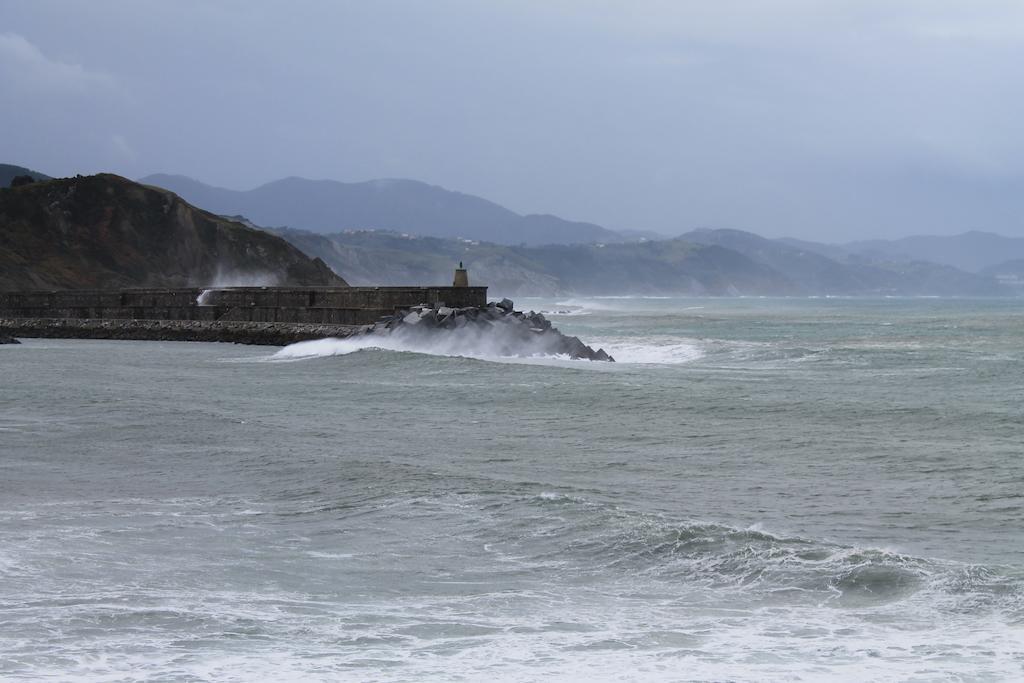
[(758, 489)]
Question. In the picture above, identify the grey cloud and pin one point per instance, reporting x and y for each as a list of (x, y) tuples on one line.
[(823, 120), (23, 67)]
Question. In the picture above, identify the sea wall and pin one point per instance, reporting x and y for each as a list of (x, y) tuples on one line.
[(324, 305)]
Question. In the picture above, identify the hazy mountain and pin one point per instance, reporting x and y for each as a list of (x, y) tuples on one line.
[(712, 262), (640, 235), (106, 231), (814, 272), (9, 172), (1011, 267), (1009, 273), (835, 252), (817, 274), (666, 267), (971, 251), (329, 206)]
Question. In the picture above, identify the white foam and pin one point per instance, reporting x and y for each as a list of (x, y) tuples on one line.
[(469, 344), (565, 311), (462, 343), (651, 350), (587, 306)]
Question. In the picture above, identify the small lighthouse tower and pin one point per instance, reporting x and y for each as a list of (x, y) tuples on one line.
[(461, 277)]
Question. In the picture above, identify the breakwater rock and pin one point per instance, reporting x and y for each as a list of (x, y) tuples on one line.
[(496, 328)]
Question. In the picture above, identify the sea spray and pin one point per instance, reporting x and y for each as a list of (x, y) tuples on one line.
[(225, 278), (496, 330)]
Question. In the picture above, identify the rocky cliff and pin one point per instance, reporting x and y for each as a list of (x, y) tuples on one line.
[(106, 231)]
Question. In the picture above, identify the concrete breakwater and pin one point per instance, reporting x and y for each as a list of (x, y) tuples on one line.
[(456, 318), (322, 305)]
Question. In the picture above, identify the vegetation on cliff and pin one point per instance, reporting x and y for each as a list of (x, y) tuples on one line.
[(107, 231)]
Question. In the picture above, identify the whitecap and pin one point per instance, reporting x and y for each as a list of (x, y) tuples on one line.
[(464, 343), (652, 350)]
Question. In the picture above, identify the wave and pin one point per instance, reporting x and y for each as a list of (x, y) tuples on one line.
[(466, 344), (565, 530), (527, 581), (611, 302), (653, 350), (458, 343), (564, 311), (647, 350)]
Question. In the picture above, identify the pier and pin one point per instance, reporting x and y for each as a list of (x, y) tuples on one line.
[(252, 315)]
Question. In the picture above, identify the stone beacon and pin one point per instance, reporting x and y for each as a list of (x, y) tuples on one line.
[(461, 277)]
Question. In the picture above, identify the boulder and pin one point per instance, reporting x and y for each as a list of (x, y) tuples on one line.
[(513, 332)]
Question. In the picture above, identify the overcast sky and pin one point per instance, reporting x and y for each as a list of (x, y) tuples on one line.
[(808, 118)]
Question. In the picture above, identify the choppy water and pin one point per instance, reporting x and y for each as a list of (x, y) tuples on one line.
[(759, 490)]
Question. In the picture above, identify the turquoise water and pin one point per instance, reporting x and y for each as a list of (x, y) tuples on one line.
[(758, 490)]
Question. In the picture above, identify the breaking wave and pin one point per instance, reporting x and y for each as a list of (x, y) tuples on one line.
[(654, 350), (463, 343), (493, 346)]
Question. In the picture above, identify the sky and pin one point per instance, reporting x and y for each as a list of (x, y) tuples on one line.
[(818, 119)]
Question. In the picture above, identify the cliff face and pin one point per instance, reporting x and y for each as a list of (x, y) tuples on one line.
[(106, 231)]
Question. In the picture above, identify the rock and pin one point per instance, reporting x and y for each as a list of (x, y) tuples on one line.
[(510, 332), (5, 339)]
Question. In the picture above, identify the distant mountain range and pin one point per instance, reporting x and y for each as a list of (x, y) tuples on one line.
[(816, 273), (718, 263), (973, 251), (673, 266), (9, 172), (38, 248), (106, 231), (329, 206), (416, 208)]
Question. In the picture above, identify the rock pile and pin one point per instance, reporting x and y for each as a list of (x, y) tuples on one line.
[(498, 326)]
